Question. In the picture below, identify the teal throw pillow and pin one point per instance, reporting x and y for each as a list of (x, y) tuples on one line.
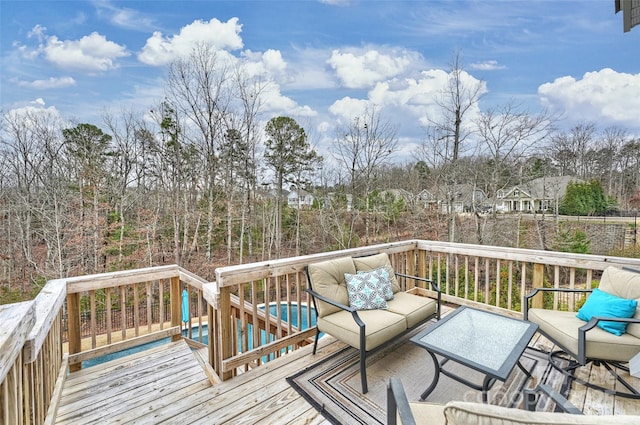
[(603, 304), (382, 273), (366, 291)]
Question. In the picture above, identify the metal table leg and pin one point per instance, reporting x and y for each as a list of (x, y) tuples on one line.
[(436, 377)]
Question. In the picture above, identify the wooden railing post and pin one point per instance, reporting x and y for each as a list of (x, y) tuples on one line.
[(538, 282), (212, 343), (73, 327), (176, 305), (224, 328)]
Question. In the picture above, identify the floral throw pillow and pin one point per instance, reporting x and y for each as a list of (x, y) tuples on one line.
[(366, 291), (382, 273)]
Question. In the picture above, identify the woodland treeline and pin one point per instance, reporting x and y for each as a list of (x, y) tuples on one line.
[(199, 179)]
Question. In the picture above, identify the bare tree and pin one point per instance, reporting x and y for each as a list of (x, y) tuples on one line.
[(124, 129), (199, 88), (569, 150), (34, 185), (448, 132), (363, 146), (608, 158), (247, 110), (508, 135)]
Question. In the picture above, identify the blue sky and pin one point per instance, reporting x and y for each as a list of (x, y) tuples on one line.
[(327, 59)]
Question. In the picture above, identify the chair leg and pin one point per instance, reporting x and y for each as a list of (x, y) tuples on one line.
[(315, 343), (363, 370), (566, 365)]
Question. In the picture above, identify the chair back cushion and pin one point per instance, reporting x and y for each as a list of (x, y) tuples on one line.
[(371, 262), (327, 279), (467, 413), (624, 284)]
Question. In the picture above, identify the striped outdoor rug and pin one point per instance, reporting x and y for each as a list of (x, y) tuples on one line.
[(333, 385)]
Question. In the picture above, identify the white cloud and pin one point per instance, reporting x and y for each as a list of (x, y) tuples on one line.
[(364, 69), (490, 65), (125, 17), (50, 83), (92, 52), (38, 32), (36, 107), (348, 107), (268, 64), (160, 50), (606, 96), (276, 103), (405, 100), (306, 70)]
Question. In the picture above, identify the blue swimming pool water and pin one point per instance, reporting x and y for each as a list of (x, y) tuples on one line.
[(263, 334), (204, 338)]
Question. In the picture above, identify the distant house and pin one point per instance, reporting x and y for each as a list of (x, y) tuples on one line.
[(427, 199), (300, 199), (459, 198), (542, 194)]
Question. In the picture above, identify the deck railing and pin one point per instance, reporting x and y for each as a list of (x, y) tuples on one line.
[(495, 278), (33, 362), (242, 332)]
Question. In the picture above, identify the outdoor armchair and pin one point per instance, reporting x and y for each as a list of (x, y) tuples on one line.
[(596, 333)]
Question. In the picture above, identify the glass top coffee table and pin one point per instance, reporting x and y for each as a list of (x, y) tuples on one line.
[(481, 340)]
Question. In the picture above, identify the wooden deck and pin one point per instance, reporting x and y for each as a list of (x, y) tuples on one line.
[(168, 385)]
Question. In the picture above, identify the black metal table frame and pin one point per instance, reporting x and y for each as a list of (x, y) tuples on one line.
[(490, 375)]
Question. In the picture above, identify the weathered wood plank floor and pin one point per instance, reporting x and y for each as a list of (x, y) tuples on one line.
[(167, 385)]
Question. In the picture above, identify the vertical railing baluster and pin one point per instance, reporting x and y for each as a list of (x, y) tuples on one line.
[(572, 285), (487, 281), (523, 281), (107, 300), (556, 284), (255, 328), (123, 311), (148, 296), (136, 309), (498, 282), (510, 286), (161, 302), (242, 343), (92, 306), (476, 277), (456, 276)]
